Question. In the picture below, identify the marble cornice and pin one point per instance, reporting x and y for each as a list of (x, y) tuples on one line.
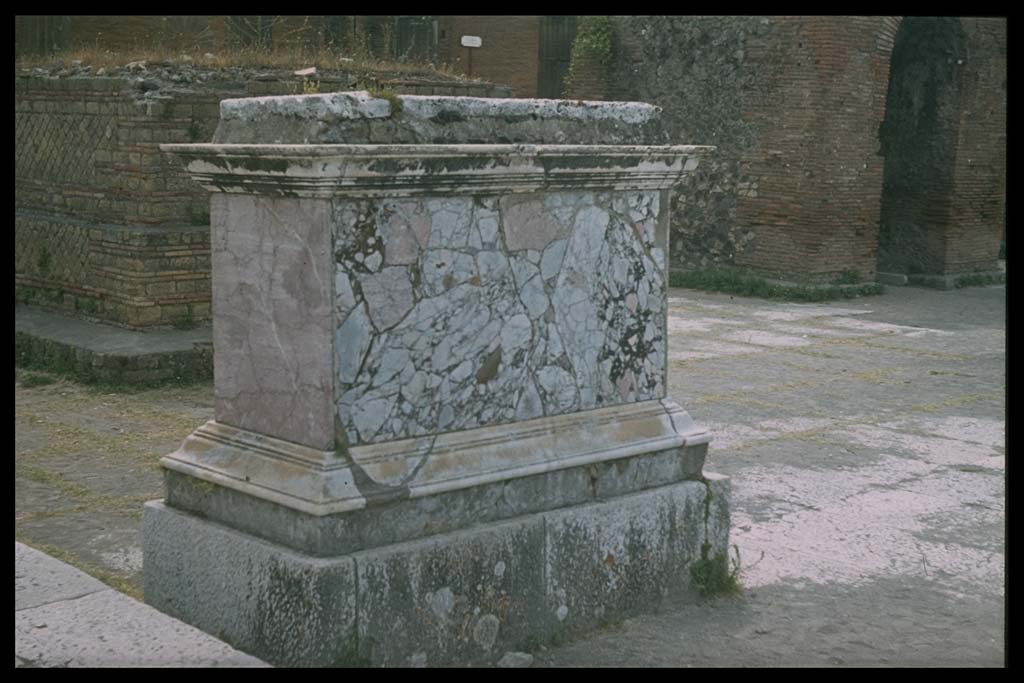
[(326, 171)]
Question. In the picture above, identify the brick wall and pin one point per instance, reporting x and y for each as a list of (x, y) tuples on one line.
[(815, 167), (83, 147), (508, 54), (210, 33), (589, 80), (590, 70), (107, 226), (39, 34), (699, 71), (290, 32), (134, 276), (795, 105), (945, 144), (977, 209), (918, 140)]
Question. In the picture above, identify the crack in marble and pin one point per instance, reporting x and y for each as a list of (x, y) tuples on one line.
[(494, 334)]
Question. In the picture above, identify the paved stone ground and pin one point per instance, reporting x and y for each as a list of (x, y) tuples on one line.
[(865, 440), (66, 619)]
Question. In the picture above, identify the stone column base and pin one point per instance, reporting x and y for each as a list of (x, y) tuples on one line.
[(468, 596)]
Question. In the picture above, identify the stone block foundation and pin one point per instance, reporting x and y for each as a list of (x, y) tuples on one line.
[(466, 596)]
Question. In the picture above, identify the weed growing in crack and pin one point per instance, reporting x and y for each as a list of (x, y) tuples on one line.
[(718, 575)]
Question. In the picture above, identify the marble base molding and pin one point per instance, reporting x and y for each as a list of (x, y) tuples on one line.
[(328, 482)]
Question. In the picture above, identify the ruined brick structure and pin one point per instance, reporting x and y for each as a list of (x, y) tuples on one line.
[(943, 205), (509, 53), (106, 227), (978, 213), (795, 106), (816, 167), (846, 145), (126, 33), (103, 226)]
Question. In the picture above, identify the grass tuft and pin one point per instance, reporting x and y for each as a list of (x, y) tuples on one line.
[(848, 277), (38, 380), (387, 94), (713, 576), (730, 282), (285, 58), (976, 280)]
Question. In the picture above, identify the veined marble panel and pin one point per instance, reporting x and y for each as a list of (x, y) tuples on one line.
[(272, 316), (457, 312)]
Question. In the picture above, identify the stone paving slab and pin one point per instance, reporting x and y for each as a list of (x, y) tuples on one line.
[(65, 618), (40, 579), (868, 469)]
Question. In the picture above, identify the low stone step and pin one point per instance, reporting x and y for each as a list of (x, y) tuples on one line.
[(95, 352)]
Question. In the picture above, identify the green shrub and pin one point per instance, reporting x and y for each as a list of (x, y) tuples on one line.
[(731, 282), (594, 44)]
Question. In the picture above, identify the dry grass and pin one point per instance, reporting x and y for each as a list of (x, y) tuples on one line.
[(284, 59)]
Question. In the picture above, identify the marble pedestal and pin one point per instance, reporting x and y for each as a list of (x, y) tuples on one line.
[(442, 429)]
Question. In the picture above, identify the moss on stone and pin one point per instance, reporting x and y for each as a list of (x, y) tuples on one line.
[(393, 99)]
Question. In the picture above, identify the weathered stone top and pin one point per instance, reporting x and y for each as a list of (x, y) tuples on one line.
[(360, 118)]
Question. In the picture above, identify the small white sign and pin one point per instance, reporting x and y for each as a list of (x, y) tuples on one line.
[(471, 41)]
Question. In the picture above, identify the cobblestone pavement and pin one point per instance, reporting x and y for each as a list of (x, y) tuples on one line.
[(864, 439)]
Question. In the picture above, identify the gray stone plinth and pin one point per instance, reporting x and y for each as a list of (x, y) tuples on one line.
[(468, 596), (291, 608)]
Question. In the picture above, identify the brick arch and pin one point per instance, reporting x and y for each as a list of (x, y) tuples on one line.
[(794, 106), (918, 140), (943, 139)]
